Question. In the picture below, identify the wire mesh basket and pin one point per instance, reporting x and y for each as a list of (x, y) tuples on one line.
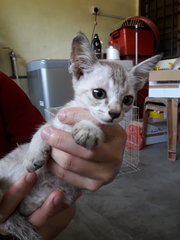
[(131, 153)]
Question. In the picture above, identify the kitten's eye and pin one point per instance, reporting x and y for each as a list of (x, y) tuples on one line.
[(128, 100), (99, 93)]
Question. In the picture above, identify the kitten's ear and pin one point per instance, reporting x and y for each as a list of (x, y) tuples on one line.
[(141, 71), (82, 56)]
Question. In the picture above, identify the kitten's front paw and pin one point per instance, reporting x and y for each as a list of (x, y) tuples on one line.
[(37, 161), (87, 134)]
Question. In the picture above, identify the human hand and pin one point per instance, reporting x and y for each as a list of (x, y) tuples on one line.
[(15, 194), (53, 216), (50, 219), (85, 168)]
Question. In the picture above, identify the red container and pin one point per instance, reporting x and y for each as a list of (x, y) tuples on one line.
[(134, 137), (124, 40)]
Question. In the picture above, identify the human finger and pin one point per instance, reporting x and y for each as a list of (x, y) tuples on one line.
[(75, 179), (71, 116), (57, 223), (15, 194), (100, 170), (64, 141), (51, 206)]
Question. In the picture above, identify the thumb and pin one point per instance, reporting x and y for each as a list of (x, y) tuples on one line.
[(71, 116)]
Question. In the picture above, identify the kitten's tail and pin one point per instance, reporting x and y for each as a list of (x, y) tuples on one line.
[(20, 227)]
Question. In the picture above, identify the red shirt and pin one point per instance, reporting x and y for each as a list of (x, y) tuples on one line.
[(19, 119)]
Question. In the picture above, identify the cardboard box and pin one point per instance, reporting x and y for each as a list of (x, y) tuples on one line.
[(164, 83), (156, 133), (164, 75), (171, 90)]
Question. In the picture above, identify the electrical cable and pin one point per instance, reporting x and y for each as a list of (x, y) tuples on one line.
[(94, 27)]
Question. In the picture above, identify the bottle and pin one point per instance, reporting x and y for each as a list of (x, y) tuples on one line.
[(96, 46), (112, 53)]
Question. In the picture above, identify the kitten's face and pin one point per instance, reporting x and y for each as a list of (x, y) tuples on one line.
[(105, 87), (106, 92)]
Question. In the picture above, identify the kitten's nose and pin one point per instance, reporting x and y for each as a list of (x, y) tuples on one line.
[(114, 114)]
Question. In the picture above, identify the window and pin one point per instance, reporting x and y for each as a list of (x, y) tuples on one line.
[(165, 14)]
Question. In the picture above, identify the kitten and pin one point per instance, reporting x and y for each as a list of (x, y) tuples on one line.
[(107, 90)]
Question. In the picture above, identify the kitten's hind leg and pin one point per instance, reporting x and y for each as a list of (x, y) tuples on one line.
[(20, 227), (37, 154)]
